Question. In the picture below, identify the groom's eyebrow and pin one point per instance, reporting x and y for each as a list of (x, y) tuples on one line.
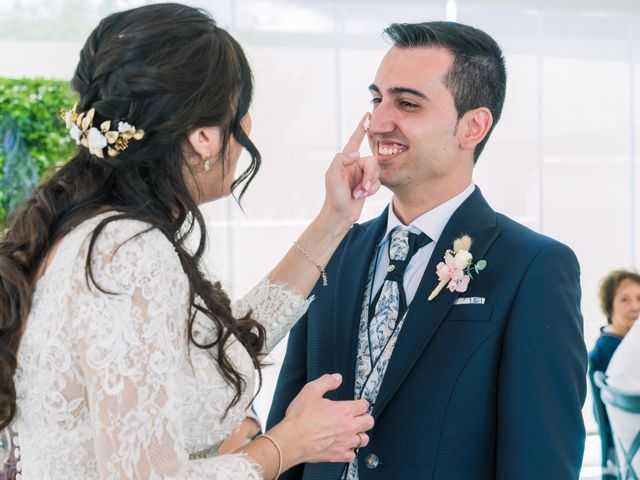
[(399, 90)]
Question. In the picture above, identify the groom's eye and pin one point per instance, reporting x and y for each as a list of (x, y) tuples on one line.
[(407, 105)]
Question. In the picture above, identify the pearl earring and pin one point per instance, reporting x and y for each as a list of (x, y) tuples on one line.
[(207, 165)]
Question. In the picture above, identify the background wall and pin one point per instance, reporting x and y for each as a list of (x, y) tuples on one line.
[(563, 159)]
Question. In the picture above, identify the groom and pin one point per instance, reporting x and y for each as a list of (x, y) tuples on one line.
[(485, 378)]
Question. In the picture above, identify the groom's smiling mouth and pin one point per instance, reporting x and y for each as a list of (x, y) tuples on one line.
[(388, 150)]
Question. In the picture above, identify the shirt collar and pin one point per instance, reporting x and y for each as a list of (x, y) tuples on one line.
[(432, 222)]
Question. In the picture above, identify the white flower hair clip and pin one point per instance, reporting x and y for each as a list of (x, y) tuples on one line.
[(81, 129), (455, 271)]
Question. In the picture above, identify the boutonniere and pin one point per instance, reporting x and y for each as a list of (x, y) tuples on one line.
[(455, 271)]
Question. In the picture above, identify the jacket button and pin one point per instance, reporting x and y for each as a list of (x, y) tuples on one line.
[(371, 461)]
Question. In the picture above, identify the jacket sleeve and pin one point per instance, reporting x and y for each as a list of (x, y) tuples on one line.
[(293, 377), (542, 377)]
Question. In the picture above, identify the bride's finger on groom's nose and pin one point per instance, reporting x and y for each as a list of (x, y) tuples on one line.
[(355, 140)]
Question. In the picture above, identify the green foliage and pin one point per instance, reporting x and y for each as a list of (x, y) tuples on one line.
[(33, 137)]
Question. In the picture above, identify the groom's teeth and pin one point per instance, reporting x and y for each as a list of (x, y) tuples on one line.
[(387, 150)]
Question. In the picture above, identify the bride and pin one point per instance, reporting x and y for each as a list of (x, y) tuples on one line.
[(118, 357)]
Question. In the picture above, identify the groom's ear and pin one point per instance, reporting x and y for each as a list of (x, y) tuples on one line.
[(473, 127)]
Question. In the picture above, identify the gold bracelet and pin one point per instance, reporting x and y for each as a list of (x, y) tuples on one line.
[(317, 265), (275, 444)]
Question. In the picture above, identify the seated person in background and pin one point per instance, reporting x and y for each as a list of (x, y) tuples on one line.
[(620, 302), (623, 373)]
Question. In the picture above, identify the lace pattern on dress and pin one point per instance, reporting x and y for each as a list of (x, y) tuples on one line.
[(275, 305), (107, 385)]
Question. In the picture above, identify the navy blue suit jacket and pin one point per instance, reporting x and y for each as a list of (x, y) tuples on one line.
[(472, 391)]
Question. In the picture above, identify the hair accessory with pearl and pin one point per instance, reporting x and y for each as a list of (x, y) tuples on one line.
[(81, 129)]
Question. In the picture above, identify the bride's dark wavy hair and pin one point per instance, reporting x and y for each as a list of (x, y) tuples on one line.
[(167, 69)]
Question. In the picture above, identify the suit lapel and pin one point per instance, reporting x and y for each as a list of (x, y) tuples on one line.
[(475, 218), (351, 280)]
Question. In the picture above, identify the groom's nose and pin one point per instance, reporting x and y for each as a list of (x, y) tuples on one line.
[(383, 119)]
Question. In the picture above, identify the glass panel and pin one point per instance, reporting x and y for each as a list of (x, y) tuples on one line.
[(43, 39), (635, 243), (508, 168), (285, 16), (587, 141), (295, 129), (367, 17)]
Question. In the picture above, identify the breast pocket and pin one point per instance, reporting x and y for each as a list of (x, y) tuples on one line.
[(469, 313)]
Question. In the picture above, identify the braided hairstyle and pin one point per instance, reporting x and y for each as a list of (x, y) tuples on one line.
[(167, 69)]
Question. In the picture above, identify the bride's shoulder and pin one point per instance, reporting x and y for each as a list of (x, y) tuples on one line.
[(117, 230), (123, 239)]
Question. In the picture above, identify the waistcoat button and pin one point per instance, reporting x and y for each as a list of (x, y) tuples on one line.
[(371, 461)]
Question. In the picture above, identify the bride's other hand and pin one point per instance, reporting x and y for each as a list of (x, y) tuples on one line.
[(351, 178), (316, 429), (247, 430)]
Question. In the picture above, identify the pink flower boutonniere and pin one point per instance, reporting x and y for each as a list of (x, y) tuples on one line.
[(455, 271)]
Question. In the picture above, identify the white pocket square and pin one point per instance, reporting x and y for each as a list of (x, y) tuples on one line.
[(469, 301)]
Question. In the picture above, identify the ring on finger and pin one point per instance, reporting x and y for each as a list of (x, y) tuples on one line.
[(360, 441)]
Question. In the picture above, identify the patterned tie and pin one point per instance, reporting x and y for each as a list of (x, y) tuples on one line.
[(381, 322), (390, 303)]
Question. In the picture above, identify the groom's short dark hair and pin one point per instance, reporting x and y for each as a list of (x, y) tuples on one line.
[(477, 77)]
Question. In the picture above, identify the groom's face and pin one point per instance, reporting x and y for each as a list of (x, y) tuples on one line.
[(414, 119)]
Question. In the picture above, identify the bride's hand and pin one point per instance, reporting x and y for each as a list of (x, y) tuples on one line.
[(247, 430), (351, 178), (316, 429)]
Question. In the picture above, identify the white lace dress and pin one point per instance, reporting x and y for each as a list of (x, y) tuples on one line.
[(107, 385)]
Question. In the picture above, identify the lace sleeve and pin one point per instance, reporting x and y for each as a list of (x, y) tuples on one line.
[(276, 306), (131, 343)]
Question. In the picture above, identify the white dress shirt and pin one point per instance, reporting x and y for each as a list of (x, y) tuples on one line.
[(431, 223), (623, 373)]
